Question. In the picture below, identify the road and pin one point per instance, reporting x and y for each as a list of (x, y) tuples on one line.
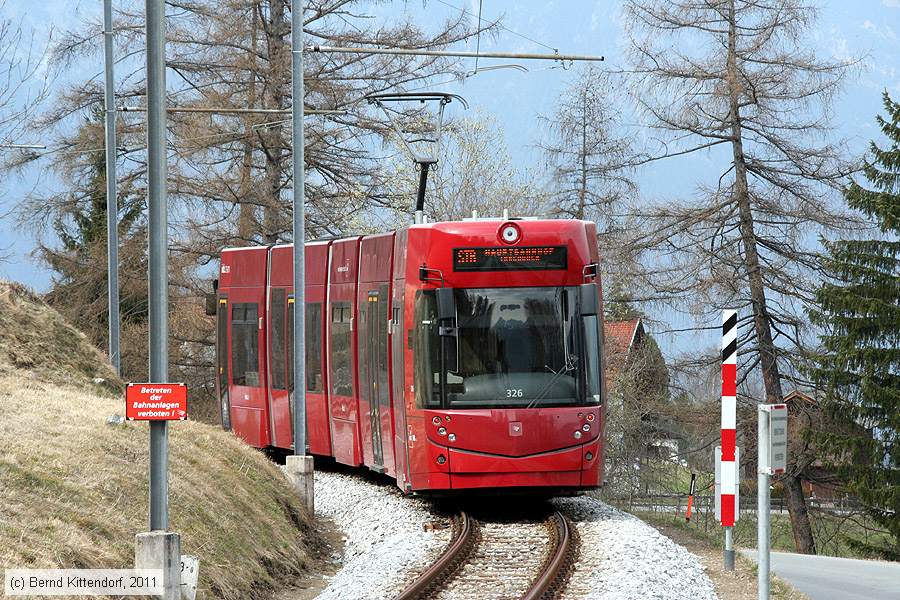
[(830, 578)]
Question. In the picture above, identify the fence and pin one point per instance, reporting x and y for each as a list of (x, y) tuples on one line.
[(704, 506)]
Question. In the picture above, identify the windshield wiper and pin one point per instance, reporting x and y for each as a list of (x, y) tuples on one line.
[(571, 361)]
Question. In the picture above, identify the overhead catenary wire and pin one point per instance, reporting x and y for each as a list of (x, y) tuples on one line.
[(562, 58), (451, 53)]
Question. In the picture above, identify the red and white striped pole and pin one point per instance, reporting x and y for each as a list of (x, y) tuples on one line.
[(729, 431), (690, 504)]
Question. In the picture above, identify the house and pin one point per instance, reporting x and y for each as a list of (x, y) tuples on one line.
[(805, 412), (636, 381), (619, 339)]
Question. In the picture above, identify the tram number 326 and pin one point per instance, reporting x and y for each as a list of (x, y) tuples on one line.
[(514, 393)]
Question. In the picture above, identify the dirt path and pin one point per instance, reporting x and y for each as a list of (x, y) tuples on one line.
[(328, 561), (739, 584)]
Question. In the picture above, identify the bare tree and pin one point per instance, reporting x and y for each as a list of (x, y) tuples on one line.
[(735, 79), (588, 156), (586, 152), (230, 174), (24, 85)]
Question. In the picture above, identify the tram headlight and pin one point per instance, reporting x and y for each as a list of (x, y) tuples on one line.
[(452, 437), (441, 459), (442, 431), (588, 456), (577, 435), (510, 233), (586, 427)]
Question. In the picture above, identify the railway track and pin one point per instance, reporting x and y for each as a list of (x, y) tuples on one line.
[(516, 560)]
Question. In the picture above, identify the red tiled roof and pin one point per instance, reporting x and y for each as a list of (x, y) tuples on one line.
[(619, 335)]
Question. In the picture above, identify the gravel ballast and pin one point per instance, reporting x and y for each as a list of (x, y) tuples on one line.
[(386, 542), (623, 558)]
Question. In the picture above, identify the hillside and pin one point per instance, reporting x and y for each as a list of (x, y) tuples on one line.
[(73, 489), (36, 339)]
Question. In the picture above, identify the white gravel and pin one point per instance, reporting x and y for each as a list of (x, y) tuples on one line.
[(623, 558), (385, 541), (386, 544)]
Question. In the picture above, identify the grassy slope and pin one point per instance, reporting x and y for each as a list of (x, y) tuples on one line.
[(73, 489), (35, 338)]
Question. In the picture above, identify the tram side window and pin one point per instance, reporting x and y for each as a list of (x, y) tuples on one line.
[(314, 347), (245, 344), (592, 359), (278, 364), (341, 358), (381, 328)]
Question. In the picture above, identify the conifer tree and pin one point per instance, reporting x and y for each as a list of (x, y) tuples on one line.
[(77, 253), (859, 366)]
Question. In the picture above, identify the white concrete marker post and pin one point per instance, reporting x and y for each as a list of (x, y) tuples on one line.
[(161, 550), (190, 572)]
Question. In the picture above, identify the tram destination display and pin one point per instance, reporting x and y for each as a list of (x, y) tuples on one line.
[(512, 258)]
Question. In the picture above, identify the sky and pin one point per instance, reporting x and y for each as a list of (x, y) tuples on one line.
[(867, 29)]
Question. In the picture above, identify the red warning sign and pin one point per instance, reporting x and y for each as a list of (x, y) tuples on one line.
[(156, 402)]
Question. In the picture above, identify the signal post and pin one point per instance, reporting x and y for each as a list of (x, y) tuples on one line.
[(727, 456), (772, 422)]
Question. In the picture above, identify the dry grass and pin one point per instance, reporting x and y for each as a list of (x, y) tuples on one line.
[(35, 338), (73, 493), (73, 489)]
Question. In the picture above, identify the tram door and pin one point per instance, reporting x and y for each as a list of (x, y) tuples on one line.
[(222, 361), (375, 361)]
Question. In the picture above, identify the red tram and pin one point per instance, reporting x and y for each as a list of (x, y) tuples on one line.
[(450, 356)]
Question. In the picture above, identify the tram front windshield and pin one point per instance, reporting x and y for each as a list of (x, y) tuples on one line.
[(515, 347)]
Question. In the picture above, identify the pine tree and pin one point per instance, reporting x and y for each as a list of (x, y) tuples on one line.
[(79, 259), (619, 303), (858, 369)]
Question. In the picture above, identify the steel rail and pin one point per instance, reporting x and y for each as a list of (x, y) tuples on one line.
[(556, 568), (446, 562)]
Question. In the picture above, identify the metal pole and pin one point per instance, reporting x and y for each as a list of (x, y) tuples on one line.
[(23, 146), (112, 204), (762, 505), (158, 284), (299, 233), (458, 54), (729, 548), (240, 111)]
